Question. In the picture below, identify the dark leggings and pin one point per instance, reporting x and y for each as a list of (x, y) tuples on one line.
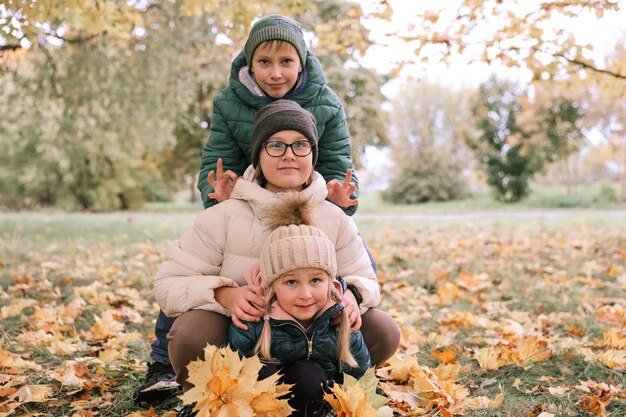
[(309, 381), (192, 330)]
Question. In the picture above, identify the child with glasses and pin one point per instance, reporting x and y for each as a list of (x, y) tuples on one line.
[(201, 280)]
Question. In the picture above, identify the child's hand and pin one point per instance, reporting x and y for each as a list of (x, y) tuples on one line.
[(224, 184), (339, 193), (351, 307), (243, 303)]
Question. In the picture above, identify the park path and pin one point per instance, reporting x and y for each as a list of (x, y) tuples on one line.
[(500, 214), (539, 214)]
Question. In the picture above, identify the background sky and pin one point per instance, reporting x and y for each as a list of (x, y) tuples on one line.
[(376, 164)]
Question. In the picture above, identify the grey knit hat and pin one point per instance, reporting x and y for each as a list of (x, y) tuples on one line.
[(282, 115), (294, 247), (275, 27)]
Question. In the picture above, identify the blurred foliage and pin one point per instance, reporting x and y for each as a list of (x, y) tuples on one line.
[(515, 136), (428, 152), (88, 125), (426, 178), (110, 115), (516, 34)]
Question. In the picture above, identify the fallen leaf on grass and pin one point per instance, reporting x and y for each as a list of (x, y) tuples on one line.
[(445, 355), (531, 350), (11, 361), (33, 393), (106, 327)]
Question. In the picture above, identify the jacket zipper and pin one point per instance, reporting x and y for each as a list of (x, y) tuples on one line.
[(309, 342)]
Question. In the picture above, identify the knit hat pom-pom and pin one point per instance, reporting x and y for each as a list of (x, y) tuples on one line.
[(291, 208)]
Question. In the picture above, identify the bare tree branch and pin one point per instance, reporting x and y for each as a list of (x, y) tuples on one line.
[(591, 67), (9, 47)]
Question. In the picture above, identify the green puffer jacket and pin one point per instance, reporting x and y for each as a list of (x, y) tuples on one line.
[(290, 343), (234, 111)]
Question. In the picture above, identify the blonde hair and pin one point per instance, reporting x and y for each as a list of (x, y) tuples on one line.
[(263, 346)]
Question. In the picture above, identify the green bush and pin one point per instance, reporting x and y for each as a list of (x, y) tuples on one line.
[(424, 180), (607, 193)]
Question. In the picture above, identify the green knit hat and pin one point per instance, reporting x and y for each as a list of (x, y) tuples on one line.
[(278, 116), (275, 27)]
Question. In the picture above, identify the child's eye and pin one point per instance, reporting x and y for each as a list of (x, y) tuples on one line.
[(316, 280), (288, 61), (301, 145), (290, 282), (276, 145)]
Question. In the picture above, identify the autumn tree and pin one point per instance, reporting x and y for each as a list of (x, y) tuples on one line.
[(516, 134), (528, 35), (102, 115), (109, 115), (340, 40), (428, 151), (499, 142)]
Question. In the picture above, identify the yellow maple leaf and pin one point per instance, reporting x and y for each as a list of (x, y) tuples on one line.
[(33, 393), (226, 385), (531, 349), (615, 339), (445, 355), (16, 307), (614, 359), (355, 398), (12, 361), (399, 368), (66, 375), (106, 327), (489, 358), (350, 401), (476, 403)]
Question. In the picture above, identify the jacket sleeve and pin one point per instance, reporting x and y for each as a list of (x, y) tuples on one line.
[(242, 341), (361, 355), (189, 275), (221, 144), (354, 264), (335, 153)]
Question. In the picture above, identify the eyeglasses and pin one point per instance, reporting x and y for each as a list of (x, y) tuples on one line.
[(278, 149)]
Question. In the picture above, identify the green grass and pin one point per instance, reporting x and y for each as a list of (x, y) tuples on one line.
[(551, 275), (541, 198)]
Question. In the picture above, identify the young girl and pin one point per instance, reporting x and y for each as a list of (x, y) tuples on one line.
[(297, 273)]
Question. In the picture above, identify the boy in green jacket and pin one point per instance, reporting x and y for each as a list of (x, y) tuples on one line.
[(275, 64)]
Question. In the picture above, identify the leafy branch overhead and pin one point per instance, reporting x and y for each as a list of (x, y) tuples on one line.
[(517, 34)]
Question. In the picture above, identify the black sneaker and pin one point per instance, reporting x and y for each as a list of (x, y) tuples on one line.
[(187, 411), (160, 384)]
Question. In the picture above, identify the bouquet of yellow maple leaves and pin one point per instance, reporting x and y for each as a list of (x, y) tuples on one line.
[(227, 385)]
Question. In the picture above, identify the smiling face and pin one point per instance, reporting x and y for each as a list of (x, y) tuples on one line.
[(303, 293), (288, 172), (276, 65)]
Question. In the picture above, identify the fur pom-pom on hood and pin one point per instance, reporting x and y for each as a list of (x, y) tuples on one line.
[(290, 209)]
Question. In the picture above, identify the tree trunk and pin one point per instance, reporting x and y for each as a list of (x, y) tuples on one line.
[(194, 194), (622, 177)]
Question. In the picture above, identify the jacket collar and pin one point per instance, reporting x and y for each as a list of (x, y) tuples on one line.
[(261, 200)]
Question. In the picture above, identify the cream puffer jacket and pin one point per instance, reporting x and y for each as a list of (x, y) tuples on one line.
[(226, 240)]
